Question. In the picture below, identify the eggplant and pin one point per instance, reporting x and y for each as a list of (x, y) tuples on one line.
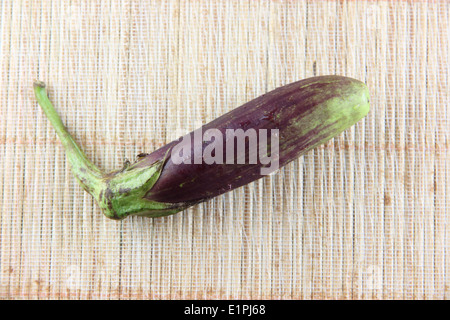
[(235, 149)]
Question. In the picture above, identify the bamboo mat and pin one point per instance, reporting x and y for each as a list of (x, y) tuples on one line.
[(366, 216)]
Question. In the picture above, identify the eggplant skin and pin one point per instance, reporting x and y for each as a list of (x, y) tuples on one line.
[(307, 113)]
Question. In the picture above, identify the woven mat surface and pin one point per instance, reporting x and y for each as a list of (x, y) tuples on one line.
[(365, 216)]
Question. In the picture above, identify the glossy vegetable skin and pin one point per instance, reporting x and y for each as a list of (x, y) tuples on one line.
[(304, 114)]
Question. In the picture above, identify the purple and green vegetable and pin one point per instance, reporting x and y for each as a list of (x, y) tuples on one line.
[(305, 114)]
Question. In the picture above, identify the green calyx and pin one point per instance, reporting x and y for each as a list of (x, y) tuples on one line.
[(119, 193), (124, 193)]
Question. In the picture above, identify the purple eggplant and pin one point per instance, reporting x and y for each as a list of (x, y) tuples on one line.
[(235, 149)]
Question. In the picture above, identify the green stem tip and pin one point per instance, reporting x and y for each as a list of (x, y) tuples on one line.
[(119, 193), (85, 171)]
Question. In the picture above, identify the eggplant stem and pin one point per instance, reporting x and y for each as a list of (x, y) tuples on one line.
[(118, 193), (88, 174)]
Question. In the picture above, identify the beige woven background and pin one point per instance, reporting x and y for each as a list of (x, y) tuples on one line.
[(365, 216)]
